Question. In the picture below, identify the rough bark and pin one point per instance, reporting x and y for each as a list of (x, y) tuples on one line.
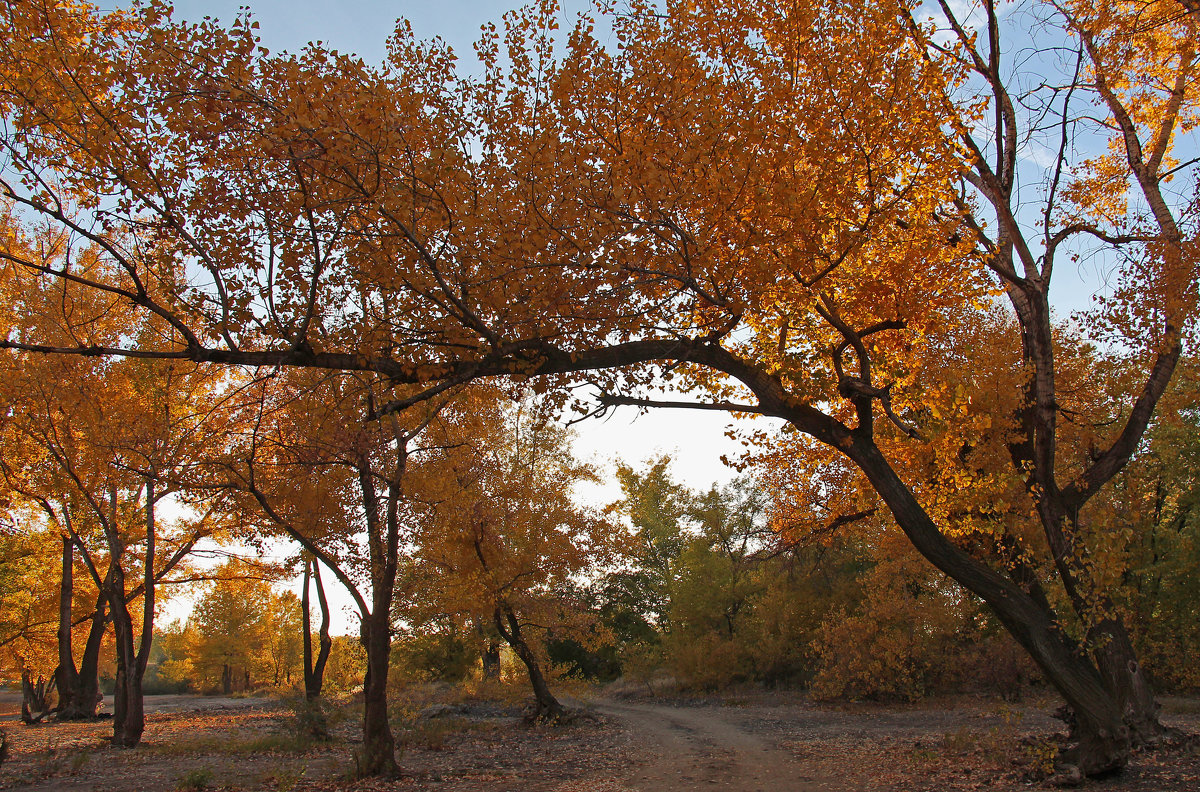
[(1126, 681), (378, 755), (66, 677), (546, 706)]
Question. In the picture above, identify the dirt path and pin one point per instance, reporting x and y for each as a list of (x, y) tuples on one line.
[(688, 748)]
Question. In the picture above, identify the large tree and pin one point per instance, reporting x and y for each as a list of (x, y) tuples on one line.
[(319, 465), (780, 207)]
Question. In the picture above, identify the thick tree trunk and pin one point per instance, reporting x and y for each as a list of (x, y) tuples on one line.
[(129, 718), (65, 676), (379, 747), (1104, 741), (89, 665), (79, 691), (546, 706), (1126, 681)]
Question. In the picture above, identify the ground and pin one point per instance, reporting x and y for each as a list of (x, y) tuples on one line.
[(750, 741)]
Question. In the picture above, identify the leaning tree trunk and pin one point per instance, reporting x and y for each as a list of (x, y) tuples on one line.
[(1104, 742), (89, 696), (546, 706)]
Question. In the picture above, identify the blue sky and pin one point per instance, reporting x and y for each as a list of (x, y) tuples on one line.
[(360, 27), (696, 440)]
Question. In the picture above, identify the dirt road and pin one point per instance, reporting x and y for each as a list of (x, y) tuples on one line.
[(694, 748)]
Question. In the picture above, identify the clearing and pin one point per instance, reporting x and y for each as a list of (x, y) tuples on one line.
[(752, 741)]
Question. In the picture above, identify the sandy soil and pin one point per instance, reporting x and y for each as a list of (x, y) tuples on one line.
[(755, 741), (685, 747)]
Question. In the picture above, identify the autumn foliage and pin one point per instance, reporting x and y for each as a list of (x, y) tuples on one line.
[(846, 216)]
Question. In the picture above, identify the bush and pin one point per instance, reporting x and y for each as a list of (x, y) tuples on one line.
[(194, 780)]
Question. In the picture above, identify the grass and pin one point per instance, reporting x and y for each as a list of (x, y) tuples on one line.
[(194, 780), (1176, 705), (432, 734), (232, 746)]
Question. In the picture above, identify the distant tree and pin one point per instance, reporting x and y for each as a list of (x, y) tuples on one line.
[(506, 538), (242, 631)]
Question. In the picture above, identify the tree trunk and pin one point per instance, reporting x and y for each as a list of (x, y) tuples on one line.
[(314, 672), (491, 659), (34, 698), (379, 747), (65, 676), (1126, 681), (129, 718), (1104, 742), (79, 699), (546, 706), (89, 696)]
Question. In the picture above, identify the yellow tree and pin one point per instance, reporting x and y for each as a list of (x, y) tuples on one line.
[(245, 633), (321, 466), (775, 206), (505, 540)]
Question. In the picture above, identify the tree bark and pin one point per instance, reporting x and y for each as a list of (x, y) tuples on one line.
[(1104, 738), (546, 706), (34, 696), (78, 691), (129, 716), (314, 672), (379, 746), (1126, 681), (65, 676), (491, 659)]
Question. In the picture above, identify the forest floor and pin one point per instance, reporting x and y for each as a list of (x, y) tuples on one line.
[(746, 741)]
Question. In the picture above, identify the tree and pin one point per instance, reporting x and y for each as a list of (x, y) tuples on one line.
[(656, 507), (245, 632), (506, 539), (324, 468), (314, 670), (99, 442), (780, 208)]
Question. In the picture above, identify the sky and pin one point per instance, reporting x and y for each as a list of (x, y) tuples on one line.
[(360, 27), (695, 440)]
